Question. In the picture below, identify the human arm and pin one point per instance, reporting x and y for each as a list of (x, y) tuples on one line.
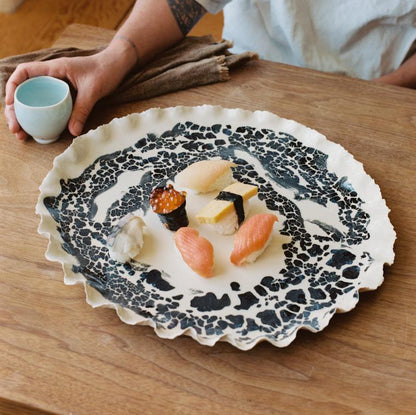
[(153, 26), (405, 75)]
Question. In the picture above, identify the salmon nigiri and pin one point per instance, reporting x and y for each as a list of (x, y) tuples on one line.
[(252, 238), (196, 251)]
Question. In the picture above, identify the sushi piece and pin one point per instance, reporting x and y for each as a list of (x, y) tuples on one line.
[(169, 205), (127, 241), (252, 238), (196, 251), (228, 210), (206, 175)]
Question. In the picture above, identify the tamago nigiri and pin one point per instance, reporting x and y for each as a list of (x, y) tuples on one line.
[(196, 251), (252, 238), (228, 210)]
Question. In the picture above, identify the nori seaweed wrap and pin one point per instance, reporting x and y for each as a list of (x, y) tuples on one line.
[(169, 205)]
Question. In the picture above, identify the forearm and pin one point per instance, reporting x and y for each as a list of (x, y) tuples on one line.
[(405, 75), (152, 27)]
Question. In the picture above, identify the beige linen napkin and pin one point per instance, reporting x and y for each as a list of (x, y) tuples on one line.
[(192, 62)]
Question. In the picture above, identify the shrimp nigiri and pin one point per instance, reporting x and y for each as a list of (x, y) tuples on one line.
[(252, 238), (196, 251)]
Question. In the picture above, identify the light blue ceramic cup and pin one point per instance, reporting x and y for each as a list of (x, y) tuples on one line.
[(43, 106)]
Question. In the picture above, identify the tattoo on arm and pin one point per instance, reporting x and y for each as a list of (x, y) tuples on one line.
[(187, 13)]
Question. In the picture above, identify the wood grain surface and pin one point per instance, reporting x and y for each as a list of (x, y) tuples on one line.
[(36, 24), (60, 355)]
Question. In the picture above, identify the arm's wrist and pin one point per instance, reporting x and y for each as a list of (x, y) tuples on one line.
[(121, 52)]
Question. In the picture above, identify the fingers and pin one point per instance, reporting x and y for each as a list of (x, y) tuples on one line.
[(21, 135), (14, 126), (28, 70), (17, 77), (11, 119), (23, 72), (83, 106), (86, 76)]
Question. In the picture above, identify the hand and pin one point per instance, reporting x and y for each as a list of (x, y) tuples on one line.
[(405, 75), (92, 77)]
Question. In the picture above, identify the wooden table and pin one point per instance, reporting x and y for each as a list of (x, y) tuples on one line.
[(60, 355), (9, 6)]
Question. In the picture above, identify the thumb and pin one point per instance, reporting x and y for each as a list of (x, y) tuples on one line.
[(82, 108)]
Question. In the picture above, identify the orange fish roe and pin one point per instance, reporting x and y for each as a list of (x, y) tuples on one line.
[(166, 199)]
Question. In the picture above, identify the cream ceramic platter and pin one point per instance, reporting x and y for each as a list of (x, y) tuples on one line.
[(331, 242)]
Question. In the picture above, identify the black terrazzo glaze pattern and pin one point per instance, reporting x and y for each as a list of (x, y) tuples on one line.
[(318, 268)]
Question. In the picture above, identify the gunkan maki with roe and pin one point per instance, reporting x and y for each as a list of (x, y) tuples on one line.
[(169, 205)]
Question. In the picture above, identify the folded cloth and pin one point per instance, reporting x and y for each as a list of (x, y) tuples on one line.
[(192, 62)]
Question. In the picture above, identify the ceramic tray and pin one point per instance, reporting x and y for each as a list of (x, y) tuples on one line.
[(331, 242)]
